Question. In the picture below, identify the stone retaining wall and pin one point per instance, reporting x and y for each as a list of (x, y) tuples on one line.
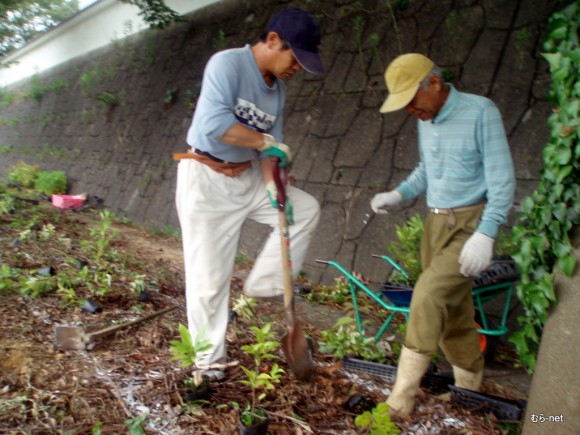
[(346, 151)]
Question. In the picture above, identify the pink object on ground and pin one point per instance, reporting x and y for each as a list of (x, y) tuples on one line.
[(68, 201)]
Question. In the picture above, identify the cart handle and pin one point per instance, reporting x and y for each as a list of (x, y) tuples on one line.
[(393, 263)]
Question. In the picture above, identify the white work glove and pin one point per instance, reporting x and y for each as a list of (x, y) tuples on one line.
[(381, 201), (476, 254), (273, 148)]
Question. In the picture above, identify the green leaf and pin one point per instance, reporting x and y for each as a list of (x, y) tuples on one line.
[(561, 249), (564, 71), (185, 335), (363, 420), (562, 156), (572, 108), (539, 302), (344, 321), (135, 424), (567, 265), (559, 32), (553, 59), (555, 230), (560, 212), (563, 175)]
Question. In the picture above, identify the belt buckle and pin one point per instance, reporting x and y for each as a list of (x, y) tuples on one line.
[(436, 210)]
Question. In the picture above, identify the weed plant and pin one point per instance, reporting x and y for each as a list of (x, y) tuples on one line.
[(406, 250), (23, 174), (343, 339), (6, 205), (337, 294), (101, 237), (245, 307), (51, 182)]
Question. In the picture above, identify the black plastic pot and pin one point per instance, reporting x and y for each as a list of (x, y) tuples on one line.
[(196, 393), (81, 264), (91, 306), (357, 404), (46, 271), (144, 297), (259, 427)]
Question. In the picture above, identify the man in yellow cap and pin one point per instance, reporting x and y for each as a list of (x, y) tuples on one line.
[(467, 174)]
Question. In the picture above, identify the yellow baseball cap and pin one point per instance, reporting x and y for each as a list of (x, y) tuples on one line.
[(403, 77)]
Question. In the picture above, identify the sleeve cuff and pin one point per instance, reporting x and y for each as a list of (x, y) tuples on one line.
[(406, 191), (488, 228)]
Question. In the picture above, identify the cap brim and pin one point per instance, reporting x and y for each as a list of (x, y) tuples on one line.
[(399, 100), (309, 61)]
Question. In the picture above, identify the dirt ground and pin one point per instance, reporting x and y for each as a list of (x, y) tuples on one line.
[(127, 382)]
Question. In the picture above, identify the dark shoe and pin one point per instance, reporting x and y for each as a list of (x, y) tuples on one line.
[(214, 375)]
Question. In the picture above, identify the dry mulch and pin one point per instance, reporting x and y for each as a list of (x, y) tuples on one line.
[(130, 374)]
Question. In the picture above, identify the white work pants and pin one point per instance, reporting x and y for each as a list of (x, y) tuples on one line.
[(212, 208)]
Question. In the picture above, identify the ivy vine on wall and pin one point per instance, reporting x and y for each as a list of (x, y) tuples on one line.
[(548, 216)]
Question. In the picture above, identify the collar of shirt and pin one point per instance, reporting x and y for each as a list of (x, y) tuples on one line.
[(449, 105)]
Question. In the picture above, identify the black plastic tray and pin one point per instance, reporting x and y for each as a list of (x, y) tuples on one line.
[(383, 371), (500, 270), (431, 381), (503, 409)]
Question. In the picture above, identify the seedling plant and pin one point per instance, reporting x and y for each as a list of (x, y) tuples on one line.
[(262, 349), (377, 421), (190, 351)]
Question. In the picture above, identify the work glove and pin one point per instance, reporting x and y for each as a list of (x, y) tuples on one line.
[(476, 254), (381, 201), (273, 148), (273, 197)]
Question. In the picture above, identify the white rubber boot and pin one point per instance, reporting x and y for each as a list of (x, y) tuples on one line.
[(466, 379), (412, 366)]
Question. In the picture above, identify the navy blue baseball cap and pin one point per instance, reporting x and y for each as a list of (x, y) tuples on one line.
[(302, 33)]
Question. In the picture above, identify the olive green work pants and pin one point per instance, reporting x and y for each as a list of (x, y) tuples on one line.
[(442, 311)]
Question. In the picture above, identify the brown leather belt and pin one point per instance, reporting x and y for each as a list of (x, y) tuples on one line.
[(226, 168), (450, 212)]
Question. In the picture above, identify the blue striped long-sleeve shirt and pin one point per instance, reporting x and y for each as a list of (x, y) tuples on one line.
[(465, 159)]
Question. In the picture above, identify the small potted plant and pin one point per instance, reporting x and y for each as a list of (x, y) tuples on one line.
[(189, 352), (406, 251), (254, 419)]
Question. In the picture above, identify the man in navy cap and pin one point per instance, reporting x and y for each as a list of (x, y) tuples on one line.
[(226, 177)]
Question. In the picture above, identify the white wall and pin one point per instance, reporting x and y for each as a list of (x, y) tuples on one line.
[(99, 24)]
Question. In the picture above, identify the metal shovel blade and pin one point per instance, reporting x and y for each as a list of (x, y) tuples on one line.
[(297, 351), (71, 337)]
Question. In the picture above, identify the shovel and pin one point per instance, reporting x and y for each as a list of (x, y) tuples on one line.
[(294, 344), (75, 337)]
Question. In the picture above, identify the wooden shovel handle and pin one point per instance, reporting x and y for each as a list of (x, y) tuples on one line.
[(286, 267), (280, 178), (116, 328)]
